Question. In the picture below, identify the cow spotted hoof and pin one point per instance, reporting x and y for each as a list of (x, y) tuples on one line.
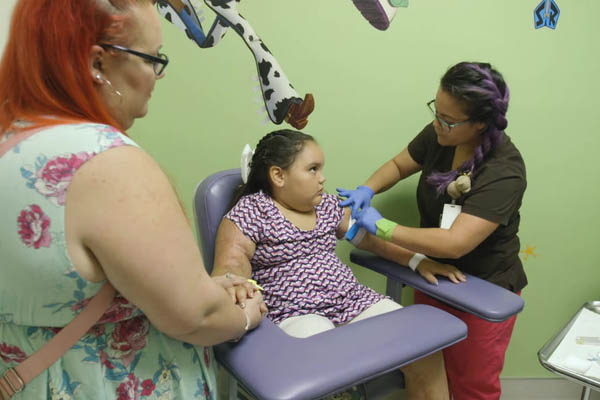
[(297, 115)]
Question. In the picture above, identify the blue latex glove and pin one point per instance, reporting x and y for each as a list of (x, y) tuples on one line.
[(367, 219), (357, 199)]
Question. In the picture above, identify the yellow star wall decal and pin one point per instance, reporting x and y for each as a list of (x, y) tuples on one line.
[(529, 251)]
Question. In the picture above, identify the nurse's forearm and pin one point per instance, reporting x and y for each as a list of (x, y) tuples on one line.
[(384, 178), (435, 242), (387, 250), (398, 168)]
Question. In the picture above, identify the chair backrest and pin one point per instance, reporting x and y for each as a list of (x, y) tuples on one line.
[(212, 200)]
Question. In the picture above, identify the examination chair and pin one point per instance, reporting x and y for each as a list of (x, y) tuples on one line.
[(476, 296), (269, 364)]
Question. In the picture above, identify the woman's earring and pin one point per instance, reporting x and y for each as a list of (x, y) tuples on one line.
[(112, 88), (102, 80)]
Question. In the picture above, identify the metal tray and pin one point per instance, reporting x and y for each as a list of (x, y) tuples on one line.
[(546, 351)]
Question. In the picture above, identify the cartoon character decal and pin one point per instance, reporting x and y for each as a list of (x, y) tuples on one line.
[(282, 101)]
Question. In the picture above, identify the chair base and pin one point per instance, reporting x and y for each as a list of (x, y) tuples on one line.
[(384, 386)]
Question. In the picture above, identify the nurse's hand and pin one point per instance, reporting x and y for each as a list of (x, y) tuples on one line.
[(367, 219), (357, 199), (430, 268)]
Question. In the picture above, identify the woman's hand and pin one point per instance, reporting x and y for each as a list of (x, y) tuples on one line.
[(256, 310), (429, 268), (238, 287), (357, 199)]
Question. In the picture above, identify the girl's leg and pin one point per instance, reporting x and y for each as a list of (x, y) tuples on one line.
[(424, 378), (381, 307), (306, 325)]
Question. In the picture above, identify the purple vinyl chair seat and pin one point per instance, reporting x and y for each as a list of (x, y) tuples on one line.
[(270, 364)]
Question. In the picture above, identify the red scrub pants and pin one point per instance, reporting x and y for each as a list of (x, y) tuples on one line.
[(473, 365)]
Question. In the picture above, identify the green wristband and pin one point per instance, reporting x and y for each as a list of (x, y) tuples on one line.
[(385, 229)]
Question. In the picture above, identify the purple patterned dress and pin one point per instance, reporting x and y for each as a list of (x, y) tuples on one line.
[(299, 269)]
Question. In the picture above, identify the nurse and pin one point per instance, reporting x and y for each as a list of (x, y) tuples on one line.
[(469, 194)]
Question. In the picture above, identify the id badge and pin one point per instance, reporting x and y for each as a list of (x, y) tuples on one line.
[(449, 214)]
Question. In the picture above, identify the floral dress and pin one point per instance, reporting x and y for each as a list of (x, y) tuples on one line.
[(299, 269), (123, 356)]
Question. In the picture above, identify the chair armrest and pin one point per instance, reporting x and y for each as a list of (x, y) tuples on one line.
[(275, 366), (476, 296)]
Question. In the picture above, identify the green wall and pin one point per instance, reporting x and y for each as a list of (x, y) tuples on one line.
[(370, 89)]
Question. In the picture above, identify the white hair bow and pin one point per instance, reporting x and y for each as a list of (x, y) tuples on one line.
[(247, 154)]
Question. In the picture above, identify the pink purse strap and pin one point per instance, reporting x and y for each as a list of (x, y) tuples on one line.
[(14, 140), (13, 380)]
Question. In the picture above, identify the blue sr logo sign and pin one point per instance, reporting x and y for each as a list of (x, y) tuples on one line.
[(546, 14)]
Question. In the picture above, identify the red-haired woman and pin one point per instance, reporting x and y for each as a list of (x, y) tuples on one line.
[(82, 204)]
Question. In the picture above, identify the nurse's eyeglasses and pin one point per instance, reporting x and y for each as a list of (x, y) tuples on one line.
[(159, 63), (446, 126)]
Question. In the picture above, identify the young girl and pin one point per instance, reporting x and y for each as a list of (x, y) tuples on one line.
[(282, 231)]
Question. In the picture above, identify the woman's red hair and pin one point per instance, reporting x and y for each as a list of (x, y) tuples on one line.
[(45, 73)]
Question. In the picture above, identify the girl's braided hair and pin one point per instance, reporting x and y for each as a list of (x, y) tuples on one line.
[(278, 148)]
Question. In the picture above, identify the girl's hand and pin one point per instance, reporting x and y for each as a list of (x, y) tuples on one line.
[(256, 309), (237, 286), (429, 269)]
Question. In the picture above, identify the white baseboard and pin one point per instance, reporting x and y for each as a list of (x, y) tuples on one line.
[(520, 389), (542, 388), (382, 388)]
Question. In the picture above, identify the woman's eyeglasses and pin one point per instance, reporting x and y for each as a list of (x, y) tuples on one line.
[(159, 63), (446, 126)]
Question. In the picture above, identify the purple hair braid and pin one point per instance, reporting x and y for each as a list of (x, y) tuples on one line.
[(485, 94)]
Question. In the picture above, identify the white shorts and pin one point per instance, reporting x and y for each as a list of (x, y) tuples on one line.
[(310, 324)]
